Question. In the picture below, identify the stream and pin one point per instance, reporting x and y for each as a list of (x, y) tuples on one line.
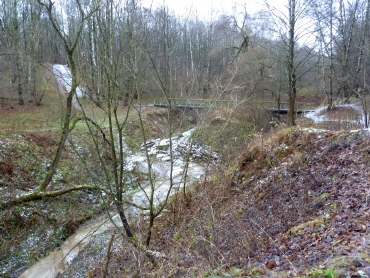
[(163, 153), (318, 114), (58, 260), (64, 78)]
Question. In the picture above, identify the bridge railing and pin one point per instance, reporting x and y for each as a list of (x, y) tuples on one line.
[(194, 103), (202, 103)]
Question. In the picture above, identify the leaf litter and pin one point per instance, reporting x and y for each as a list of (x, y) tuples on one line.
[(307, 207)]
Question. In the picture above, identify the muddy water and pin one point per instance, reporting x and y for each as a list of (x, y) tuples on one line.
[(162, 161), (58, 260)]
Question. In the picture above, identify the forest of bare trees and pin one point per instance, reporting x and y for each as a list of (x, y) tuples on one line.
[(315, 47), (125, 55)]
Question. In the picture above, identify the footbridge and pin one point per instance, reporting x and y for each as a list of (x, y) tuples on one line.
[(300, 107), (193, 103)]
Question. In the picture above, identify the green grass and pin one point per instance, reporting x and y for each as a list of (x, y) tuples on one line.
[(17, 118), (321, 273)]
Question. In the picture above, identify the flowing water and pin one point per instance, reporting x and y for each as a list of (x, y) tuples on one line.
[(169, 159), (318, 114), (58, 260), (64, 78)]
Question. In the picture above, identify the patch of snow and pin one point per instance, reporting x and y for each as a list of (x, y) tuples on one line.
[(315, 130)]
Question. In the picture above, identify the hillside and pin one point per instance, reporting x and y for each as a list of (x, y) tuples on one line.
[(297, 205)]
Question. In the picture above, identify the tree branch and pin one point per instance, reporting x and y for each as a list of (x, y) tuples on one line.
[(47, 194)]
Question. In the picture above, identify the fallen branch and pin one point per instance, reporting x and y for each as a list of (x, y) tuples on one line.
[(37, 195)]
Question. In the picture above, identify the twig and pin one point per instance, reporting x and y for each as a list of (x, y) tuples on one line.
[(109, 254)]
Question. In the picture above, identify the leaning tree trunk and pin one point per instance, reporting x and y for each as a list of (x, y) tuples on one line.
[(70, 48)]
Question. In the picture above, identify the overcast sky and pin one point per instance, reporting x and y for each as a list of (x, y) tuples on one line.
[(211, 8)]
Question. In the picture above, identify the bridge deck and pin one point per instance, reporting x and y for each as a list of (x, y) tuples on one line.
[(285, 111), (301, 107), (194, 103)]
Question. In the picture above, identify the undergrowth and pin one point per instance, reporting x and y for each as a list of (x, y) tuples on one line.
[(30, 231)]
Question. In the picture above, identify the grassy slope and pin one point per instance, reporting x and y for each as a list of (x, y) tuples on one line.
[(28, 139)]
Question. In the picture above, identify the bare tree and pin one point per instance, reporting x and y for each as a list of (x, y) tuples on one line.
[(119, 64), (324, 18), (347, 20), (13, 28), (70, 41), (361, 91), (289, 28)]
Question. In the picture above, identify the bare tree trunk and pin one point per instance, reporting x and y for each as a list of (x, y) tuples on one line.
[(18, 53), (331, 66), (291, 66), (19, 77), (346, 46), (361, 92), (70, 48), (124, 220), (291, 109)]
